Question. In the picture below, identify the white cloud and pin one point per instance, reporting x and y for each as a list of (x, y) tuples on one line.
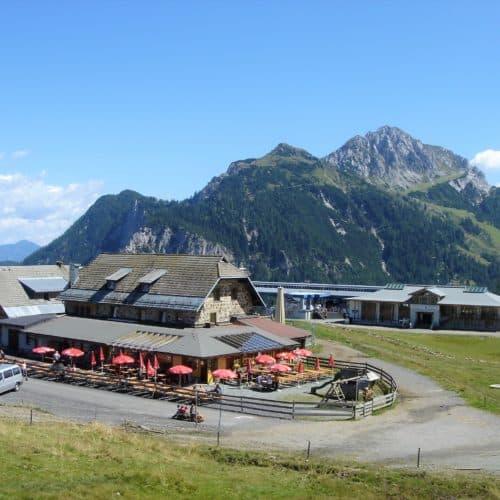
[(20, 153), (34, 210), (487, 160)]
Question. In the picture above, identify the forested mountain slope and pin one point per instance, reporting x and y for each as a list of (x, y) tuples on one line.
[(290, 215)]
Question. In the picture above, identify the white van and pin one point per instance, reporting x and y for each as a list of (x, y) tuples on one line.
[(11, 377)]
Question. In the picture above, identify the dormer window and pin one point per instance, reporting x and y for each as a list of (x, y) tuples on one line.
[(149, 279), (216, 295), (112, 279)]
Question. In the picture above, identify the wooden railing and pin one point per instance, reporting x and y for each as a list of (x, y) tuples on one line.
[(235, 403)]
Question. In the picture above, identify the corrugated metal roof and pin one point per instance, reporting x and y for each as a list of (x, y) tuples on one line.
[(459, 297), (45, 284), (145, 340), (152, 276), (388, 295), (450, 295), (47, 308), (195, 342), (26, 321)]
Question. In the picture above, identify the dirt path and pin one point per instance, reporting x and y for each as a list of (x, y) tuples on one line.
[(426, 416)]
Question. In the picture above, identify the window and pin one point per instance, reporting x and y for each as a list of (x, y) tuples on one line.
[(30, 340), (216, 294), (8, 373), (16, 371), (234, 293)]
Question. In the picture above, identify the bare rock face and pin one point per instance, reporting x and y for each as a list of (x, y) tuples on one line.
[(474, 182), (394, 159), (168, 241)]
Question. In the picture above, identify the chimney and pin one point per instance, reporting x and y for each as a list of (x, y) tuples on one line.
[(74, 269)]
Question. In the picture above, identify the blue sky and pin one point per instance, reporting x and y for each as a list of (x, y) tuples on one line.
[(159, 97)]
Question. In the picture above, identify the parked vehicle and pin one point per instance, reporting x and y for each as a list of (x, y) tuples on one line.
[(11, 377)]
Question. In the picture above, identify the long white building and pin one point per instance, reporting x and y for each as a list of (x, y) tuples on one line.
[(450, 307)]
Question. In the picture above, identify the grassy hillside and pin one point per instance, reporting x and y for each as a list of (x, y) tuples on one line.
[(93, 461)]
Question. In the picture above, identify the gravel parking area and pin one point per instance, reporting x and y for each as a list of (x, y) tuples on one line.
[(426, 416)]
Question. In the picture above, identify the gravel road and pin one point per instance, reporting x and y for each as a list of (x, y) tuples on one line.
[(449, 434)]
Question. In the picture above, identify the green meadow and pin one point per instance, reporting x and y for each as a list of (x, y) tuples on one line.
[(463, 363), (61, 461)]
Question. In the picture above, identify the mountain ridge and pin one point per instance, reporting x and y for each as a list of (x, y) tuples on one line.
[(291, 215)]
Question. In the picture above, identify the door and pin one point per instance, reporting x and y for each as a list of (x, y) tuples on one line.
[(14, 341), (424, 320)]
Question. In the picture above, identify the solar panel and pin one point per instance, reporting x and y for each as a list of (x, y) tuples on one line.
[(394, 286), (250, 342), (475, 289)]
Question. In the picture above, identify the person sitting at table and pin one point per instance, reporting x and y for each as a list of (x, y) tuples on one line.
[(259, 380), (269, 381)]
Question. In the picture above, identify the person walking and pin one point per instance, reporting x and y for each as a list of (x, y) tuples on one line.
[(192, 412), (24, 369)]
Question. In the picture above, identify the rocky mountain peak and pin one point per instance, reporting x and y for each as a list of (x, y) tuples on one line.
[(393, 158)]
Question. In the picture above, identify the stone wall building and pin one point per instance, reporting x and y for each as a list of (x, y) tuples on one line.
[(174, 290)]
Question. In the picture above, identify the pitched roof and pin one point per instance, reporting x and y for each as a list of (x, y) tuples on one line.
[(279, 329), (185, 276), (14, 294), (195, 342), (448, 295)]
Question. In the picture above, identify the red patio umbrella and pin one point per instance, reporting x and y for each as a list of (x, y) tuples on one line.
[(303, 352), (300, 367), (43, 350), (280, 368), (151, 372), (265, 359), (72, 352), (224, 373), (180, 370), (122, 359), (317, 365), (93, 362), (288, 355), (141, 361), (331, 361), (156, 365)]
